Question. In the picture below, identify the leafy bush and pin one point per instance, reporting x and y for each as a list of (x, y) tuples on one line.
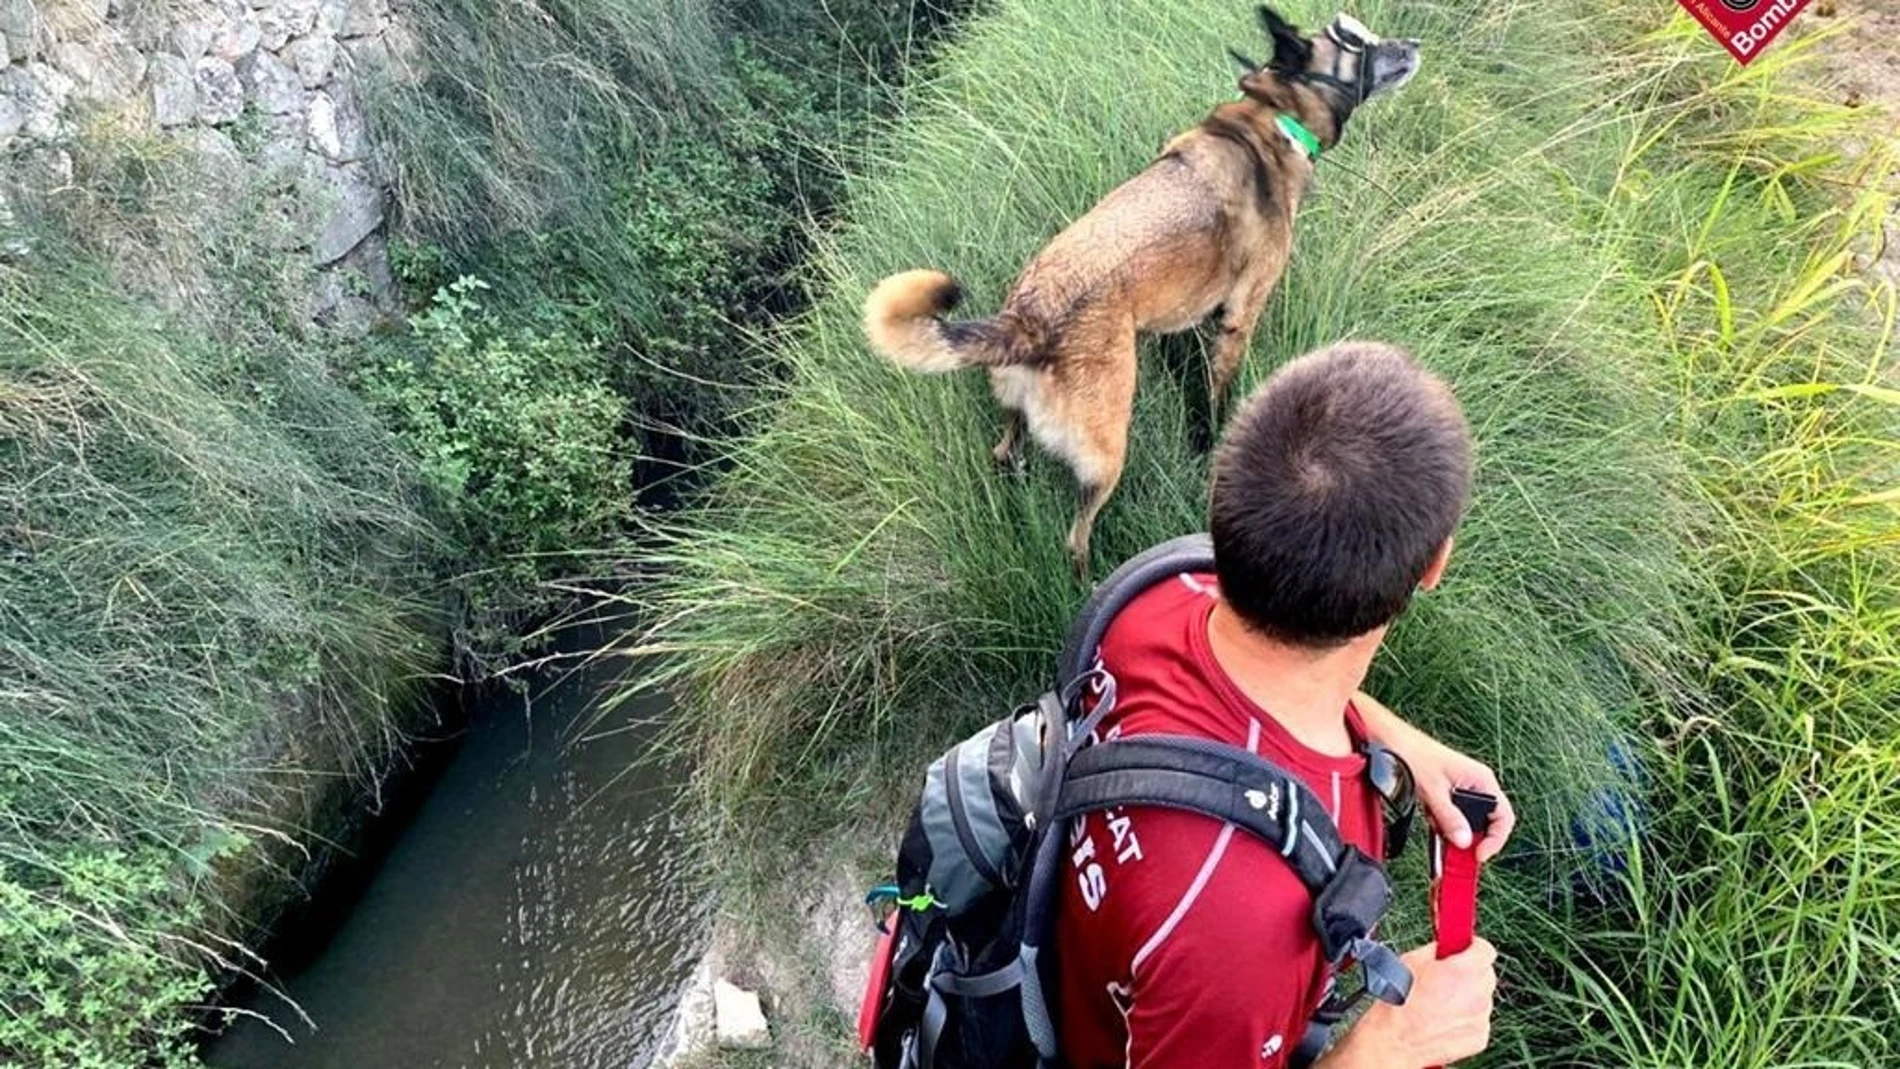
[(518, 430), (82, 971)]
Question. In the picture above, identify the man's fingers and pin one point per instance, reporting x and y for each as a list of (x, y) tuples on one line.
[(1449, 821), (1503, 822)]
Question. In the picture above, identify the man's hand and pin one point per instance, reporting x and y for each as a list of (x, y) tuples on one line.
[(1437, 770), (1447, 1017)]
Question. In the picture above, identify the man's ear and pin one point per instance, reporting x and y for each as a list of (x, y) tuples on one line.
[(1291, 50), (1435, 571)]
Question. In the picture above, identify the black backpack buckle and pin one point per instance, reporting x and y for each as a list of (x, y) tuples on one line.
[(1381, 972), (1382, 976), (1345, 914), (1350, 905)]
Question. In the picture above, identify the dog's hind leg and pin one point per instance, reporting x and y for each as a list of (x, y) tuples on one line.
[(1094, 496), (1018, 390), (1099, 449), (1009, 451)]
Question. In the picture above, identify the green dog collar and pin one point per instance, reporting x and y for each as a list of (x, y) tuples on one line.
[(1299, 135)]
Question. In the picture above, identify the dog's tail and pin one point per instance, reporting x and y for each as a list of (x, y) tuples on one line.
[(903, 320)]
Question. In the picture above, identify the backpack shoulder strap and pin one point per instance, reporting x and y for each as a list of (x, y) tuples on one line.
[(1350, 892), (1188, 553), (1226, 783)]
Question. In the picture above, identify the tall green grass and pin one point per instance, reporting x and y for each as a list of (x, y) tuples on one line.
[(1623, 253), (220, 573), (214, 588), (1766, 912)]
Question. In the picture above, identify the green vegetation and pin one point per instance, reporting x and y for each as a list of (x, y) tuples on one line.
[(650, 187), (1776, 843), (1633, 260), (633, 208), (202, 535), (83, 996), (1631, 257), (232, 547), (519, 429)]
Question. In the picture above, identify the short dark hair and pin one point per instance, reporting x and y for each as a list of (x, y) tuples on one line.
[(1334, 488)]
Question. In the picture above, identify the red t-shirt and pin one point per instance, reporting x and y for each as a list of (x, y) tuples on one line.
[(1180, 941)]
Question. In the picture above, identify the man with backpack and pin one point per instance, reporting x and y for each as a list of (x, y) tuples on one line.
[(1173, 856), (1178, 941)]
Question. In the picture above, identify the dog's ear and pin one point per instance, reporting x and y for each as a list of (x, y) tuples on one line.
[(1291, 50), (1247, 66)]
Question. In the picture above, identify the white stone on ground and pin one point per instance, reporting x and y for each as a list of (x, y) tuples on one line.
[(740, 1020), (693, 1021)]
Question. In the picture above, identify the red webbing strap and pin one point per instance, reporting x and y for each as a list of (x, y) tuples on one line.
[(1455, 899), (1455, 877), (876, 986)]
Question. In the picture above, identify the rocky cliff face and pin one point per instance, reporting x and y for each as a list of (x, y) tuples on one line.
[(268, 94)]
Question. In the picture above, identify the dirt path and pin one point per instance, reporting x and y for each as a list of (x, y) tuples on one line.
[(1862, 68), (1865, 62)]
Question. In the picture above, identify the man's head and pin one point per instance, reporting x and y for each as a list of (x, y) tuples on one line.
[(1323, 79), (1336, 491)]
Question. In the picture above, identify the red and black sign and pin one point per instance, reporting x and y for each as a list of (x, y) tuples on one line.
[(1744, 26)]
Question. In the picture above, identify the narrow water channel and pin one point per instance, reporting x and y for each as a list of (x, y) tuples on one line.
[(535, 912)]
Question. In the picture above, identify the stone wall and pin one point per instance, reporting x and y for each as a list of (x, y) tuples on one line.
[(270, 92)]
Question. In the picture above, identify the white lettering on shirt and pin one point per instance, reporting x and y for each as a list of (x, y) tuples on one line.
[(1127, 844)]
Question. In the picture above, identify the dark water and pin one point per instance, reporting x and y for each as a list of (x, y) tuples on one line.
[(534, 913)]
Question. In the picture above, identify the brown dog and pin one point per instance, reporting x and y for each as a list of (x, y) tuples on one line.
[(1208, 225)]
